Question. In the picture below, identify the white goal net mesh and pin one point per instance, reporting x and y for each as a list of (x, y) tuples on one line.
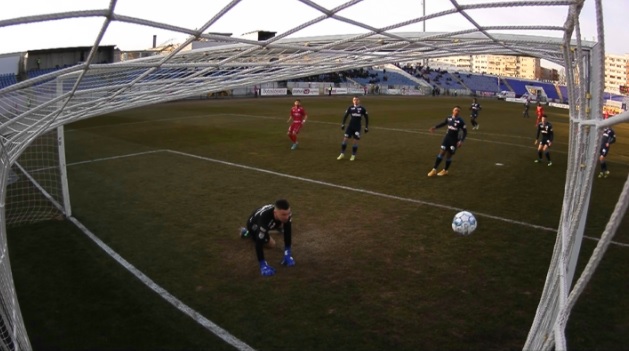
[(206, 61)]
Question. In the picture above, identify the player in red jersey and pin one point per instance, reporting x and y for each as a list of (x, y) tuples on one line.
[(299, 116), (540, 113)]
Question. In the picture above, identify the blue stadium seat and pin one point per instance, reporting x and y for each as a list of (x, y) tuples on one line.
[(519, 87), (7, 80), (392, 78), (482, 83)]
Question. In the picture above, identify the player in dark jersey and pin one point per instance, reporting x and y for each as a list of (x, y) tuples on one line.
[(356, 112), (527, 104), (545, 129), (457, 132), (475, 109), (270, 217), (609, 137)]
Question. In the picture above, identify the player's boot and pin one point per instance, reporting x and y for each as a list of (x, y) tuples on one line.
[(432, 173), (538, 161), (550, 163), (352, 158), (294, 146), (601, 174), (341, 156), (244, 233), (606, 174), (442, 173)]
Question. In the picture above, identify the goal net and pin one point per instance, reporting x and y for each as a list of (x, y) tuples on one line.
[(206, 61)]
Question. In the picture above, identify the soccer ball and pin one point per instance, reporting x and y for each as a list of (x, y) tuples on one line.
[(464, 223)]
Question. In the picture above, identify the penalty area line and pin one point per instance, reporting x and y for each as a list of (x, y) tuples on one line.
[(373, 193), (196, 316), (394, 197)]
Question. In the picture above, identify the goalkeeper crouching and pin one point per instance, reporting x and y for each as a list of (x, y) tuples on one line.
[(270, 217)]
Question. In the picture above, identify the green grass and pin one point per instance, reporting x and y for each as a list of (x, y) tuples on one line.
[(378, 266)]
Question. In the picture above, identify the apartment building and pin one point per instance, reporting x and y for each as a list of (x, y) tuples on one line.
[(616, 72), (510, 66)]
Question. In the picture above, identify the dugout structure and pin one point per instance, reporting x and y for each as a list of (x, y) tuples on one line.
[(33, 112)]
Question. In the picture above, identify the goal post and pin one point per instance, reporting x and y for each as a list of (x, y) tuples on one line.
[(38, 186), (35, 189)]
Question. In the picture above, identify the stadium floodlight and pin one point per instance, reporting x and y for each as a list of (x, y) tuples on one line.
[(34, 111)]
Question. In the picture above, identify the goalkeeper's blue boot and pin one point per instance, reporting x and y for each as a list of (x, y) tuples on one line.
[(244, 233), (294, 147)]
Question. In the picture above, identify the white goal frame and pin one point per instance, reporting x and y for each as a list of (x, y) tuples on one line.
[(35, 107)]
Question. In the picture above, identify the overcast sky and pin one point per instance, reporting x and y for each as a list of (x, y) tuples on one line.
[(279, 16)]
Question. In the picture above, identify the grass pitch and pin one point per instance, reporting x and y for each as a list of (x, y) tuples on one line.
[(378, 266)]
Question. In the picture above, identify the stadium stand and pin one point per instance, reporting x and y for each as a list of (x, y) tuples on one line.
[(614, 97), (384, 76), (409, 72), (39, 72), (480, 83), (7, 80), (563, 91), (519, 87), (443, 79), (504, 85)]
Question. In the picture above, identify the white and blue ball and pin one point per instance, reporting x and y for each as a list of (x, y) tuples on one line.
[(464, 223)]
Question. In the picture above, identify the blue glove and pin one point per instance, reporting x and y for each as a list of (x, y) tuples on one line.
[(288, 260), (266, 270)]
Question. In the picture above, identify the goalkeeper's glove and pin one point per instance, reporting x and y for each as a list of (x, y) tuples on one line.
[(266, 270), (288, 260), (342, 126), (366, 130)]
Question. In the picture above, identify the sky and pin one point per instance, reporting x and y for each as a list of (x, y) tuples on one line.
[(278, 16)]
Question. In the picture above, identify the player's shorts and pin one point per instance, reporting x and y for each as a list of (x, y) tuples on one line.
[(295, 127), (256, 234), (352, 132), (545, 142), (449, 145), (474, 114), (604, 151)]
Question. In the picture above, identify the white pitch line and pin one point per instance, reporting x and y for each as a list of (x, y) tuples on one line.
[(420, 202), (369, 192), (412, 131), (209, 325), (206, 323), (409, 131)]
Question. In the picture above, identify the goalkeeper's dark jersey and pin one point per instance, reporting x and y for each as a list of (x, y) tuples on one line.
[(261, 222)]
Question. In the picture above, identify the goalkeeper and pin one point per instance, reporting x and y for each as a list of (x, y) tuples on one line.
[(270, 217)]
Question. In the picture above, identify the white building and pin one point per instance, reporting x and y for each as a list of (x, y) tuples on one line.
[(616, 72), (500, 65)]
